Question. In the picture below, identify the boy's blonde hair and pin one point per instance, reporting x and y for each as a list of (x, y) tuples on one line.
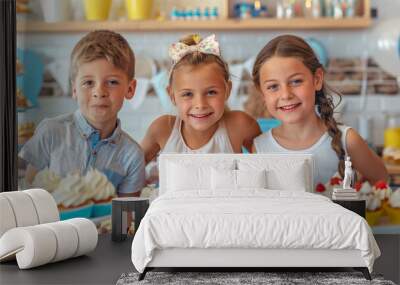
[(103, 44)]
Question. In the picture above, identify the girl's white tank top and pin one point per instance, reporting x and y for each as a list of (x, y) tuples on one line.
[(219, 142), (325, 158)]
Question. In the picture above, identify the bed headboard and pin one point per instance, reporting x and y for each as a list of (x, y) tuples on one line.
[(271, 160)]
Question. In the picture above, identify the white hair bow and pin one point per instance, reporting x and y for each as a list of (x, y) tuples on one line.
[(208, 45)]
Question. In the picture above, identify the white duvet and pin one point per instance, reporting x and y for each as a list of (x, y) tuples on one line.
[(252, 218)]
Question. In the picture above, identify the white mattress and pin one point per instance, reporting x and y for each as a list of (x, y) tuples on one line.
[(250, 219)]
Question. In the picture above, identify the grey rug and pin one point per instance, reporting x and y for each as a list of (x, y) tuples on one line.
[(229, 278)]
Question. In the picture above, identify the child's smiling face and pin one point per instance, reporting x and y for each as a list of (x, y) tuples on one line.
[(100, 89), (199, 92), (289, 87)]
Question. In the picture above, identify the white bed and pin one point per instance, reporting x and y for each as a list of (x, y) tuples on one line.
[(201, 219)]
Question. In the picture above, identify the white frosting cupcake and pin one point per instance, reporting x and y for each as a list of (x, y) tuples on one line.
[(46, 179), (393, 207), (98, 185), (391, 154), (150, 191), (335, 181), (382, 189), (394, 200), (366, 190), (71, 192), (373, 203)]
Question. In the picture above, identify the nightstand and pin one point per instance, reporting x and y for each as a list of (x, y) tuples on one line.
[(122, 209), (357, 206)]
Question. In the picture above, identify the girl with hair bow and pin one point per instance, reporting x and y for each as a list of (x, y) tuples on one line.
[(199, 85)]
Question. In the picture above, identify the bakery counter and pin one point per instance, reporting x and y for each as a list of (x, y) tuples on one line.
[(387, 229), (102, 266)]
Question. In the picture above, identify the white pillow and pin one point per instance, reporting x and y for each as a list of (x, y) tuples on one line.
[(190, 176), (223, 179), (227, 179), (292, 180), (251, 178), (185, 177), (288, 174)]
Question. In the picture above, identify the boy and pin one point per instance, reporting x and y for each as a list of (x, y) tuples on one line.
[(102, 75)]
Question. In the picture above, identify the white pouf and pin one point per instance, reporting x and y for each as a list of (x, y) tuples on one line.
[(40, 244)]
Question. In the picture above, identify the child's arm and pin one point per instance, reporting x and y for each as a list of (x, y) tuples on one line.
[(242, 129), (156, 136), (36, 151), (364, 160), (30, 174), (251, 130)]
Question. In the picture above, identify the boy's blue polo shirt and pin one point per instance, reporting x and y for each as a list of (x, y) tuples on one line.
[(68, 144)]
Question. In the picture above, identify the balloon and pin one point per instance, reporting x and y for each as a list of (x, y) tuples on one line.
[(319, 50), (30, 81), (384, 45)]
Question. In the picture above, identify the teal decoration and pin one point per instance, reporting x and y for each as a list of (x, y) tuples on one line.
[(80, 212), (319, 50), (30, 81), (160, 83), (267, 124), (100, 210)]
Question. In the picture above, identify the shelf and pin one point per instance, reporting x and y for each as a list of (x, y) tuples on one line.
[(215, 25)]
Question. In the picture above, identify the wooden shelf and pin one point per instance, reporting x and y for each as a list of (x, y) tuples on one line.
[(215, 25)]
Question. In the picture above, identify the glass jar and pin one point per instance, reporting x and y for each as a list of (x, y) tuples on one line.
[(392, 131)]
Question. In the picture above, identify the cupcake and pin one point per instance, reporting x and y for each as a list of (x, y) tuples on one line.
[(358, 185), (391, 155), (334, 182), (105, 226), (102, 192), (25, 132), (382, 189), (320, 188), (72, 198), (46, 179), (150, 191), (365, 189), (374, 209), (392, 208), (21, 101)]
